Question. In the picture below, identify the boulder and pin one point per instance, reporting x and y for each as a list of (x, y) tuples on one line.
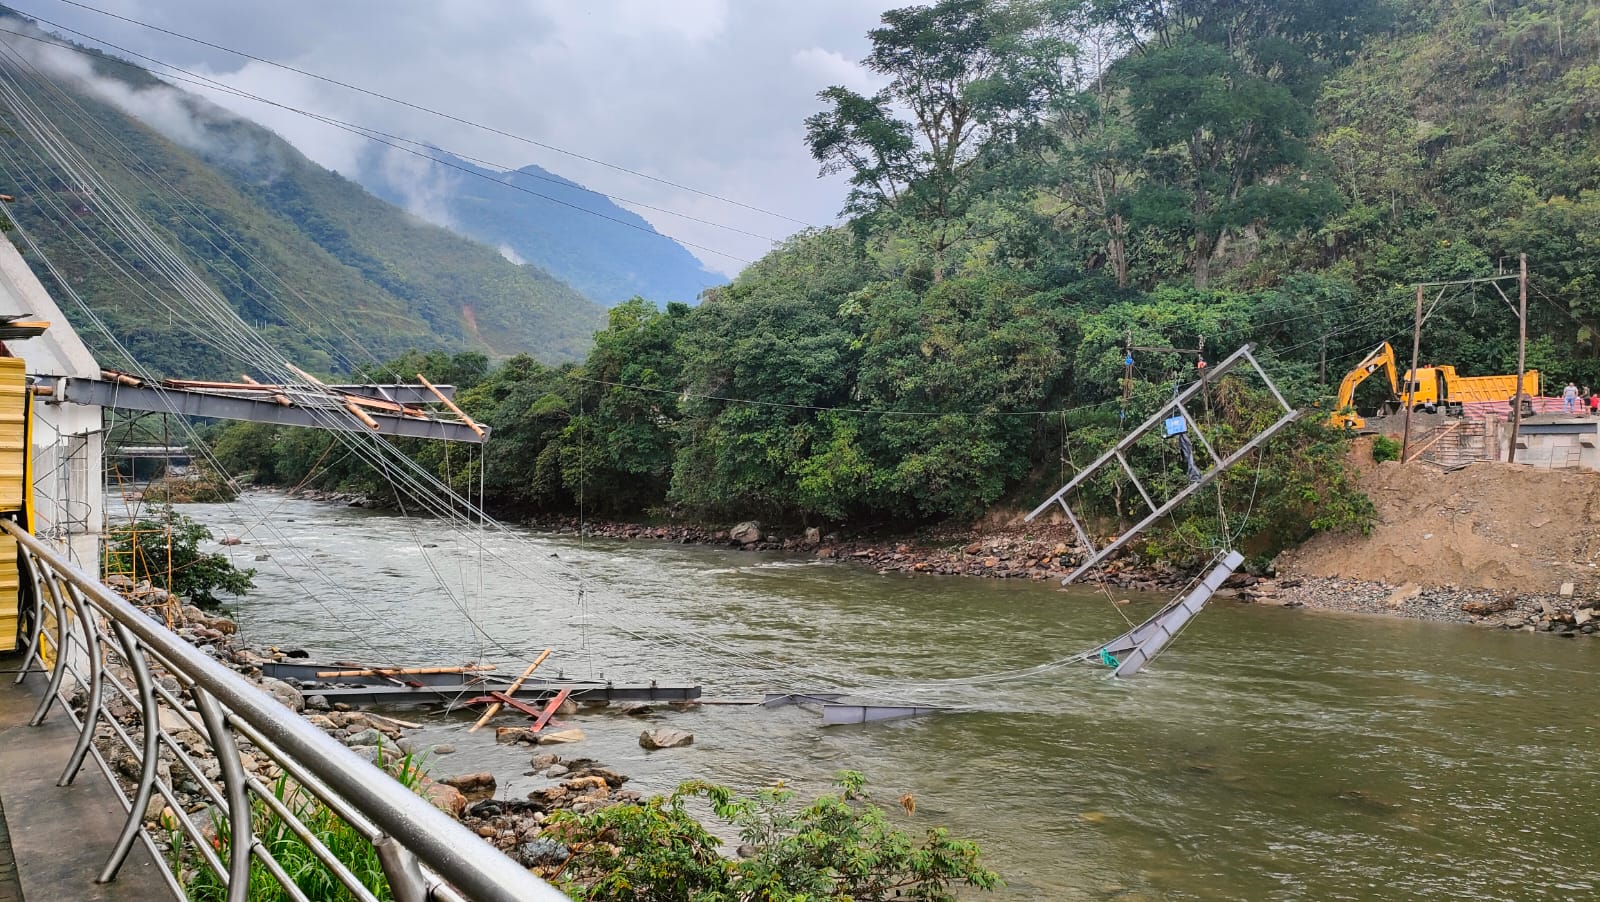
[(541, 852), (636, 709), (746, 533), (286, 694), (507, 735), (665, 738), (445, 797), (1567, 589), (813, 536), (482, 781), (1484, 608), (560, 736), (368, 736)]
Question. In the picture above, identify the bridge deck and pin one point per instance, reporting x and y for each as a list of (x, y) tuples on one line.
[(58, 836)]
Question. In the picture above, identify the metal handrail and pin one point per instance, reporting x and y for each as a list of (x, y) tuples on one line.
[(414, 836)]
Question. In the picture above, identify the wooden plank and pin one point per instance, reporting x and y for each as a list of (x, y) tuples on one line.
[(550, 710), (495, 708), (524, 707)]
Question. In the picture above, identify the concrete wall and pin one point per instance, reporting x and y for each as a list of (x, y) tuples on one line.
[(68, 441), (1572, 443)]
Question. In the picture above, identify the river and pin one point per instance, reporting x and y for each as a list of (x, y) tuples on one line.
[(1269, 754)]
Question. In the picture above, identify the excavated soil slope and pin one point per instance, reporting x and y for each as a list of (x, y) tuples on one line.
[(1488, 526)]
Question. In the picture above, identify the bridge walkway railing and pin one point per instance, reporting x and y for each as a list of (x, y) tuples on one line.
[(195, 747)]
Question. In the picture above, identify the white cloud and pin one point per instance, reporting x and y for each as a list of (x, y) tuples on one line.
[(707, 93)]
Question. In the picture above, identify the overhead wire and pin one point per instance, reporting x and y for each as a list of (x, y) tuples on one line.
[(459, 120)]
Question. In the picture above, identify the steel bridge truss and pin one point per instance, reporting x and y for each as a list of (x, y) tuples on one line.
[(1117, 456)]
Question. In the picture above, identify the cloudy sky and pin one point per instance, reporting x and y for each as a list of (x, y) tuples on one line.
[(709, 94)]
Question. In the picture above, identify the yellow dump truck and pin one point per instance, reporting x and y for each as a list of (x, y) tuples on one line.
[(1439, 387)]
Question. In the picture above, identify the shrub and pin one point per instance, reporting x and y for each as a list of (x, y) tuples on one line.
[(840, 846), (1385, 448), (143, 550)]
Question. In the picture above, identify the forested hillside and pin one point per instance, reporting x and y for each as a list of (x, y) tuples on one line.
[(535, 216), (1038, 183), (328, 272)]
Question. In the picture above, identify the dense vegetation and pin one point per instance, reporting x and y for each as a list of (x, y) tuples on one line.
[(331, 275), (1036, 184)]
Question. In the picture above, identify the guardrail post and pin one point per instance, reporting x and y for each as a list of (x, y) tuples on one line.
[(151, 714), (406, 880), (227, 752), (96, 687)]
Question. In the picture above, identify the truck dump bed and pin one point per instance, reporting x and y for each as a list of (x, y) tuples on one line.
[(1468, 389)]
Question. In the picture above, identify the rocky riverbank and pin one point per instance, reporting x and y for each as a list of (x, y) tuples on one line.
[(1562, 615), (1037, 552), (514, 826)]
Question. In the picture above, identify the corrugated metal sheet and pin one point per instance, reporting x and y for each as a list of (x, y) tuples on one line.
[(13, 482)]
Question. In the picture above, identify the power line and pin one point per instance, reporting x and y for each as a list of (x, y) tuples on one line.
[(429, 110)]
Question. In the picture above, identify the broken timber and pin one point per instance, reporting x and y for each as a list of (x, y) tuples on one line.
[(1157, 511)]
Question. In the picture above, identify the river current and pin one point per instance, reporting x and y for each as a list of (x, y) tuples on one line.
[(1269, 754)]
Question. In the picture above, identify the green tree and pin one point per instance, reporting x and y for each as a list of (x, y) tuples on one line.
[(168, 543), (974, 75)]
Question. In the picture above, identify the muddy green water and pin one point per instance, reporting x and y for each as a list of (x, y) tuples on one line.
[(1270, 754)]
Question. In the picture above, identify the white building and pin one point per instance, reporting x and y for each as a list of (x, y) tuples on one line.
[(68, 439)]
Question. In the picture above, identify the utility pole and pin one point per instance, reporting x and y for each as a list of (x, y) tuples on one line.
[(1409, 395), (1522, 357)]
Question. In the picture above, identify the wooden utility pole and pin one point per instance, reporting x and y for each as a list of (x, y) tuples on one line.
[(1522, 356), (1409, 395)]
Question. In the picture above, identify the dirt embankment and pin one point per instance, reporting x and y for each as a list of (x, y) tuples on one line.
[(1486, 526)]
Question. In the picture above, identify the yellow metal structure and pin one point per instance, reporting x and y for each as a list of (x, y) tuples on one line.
[(1432, 385), (15, 486)]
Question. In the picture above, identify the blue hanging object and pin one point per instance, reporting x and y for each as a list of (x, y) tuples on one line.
[(1128, 360), (1176, 425)]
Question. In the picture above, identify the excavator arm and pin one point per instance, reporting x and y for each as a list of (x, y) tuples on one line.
[(1382, 358)]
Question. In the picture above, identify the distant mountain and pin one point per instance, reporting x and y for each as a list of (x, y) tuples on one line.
[(523, 214), (326, 270)]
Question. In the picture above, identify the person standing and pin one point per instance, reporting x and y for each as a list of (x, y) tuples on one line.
[(1594, 403), (1569, 399)]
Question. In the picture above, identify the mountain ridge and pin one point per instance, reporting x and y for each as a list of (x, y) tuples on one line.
[(333, 275), (543, 218)]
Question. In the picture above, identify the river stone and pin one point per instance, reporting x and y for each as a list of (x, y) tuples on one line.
[(665, 738), (746, 533), (560, 736), (445, 797), (317, 702), (444, 749), (286, 694), (482, 781), (368, 736), (541, 852)]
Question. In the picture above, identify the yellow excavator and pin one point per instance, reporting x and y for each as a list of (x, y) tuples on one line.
[(1433, 387)]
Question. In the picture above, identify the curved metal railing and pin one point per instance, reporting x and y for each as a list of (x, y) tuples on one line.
[(186, 720)]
